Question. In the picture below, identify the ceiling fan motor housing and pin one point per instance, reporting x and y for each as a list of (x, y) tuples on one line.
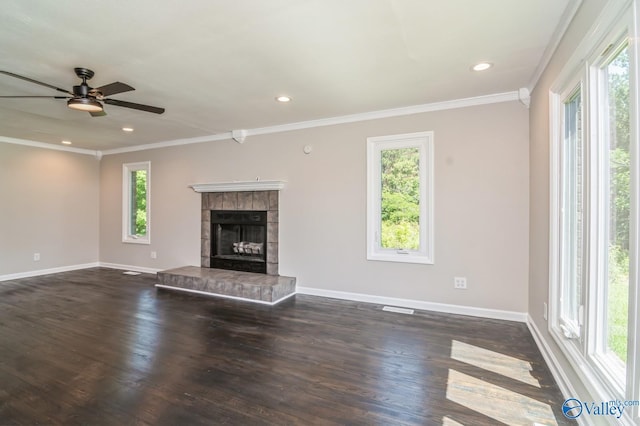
[(81, 90)]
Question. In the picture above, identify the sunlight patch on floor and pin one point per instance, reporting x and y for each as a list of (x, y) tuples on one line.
[(447, 421), (497, 402), (496, 362)]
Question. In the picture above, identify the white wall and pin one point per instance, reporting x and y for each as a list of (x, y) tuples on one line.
[(48, 205), (481, 205)]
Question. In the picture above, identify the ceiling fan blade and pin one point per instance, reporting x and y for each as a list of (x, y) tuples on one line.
[(114, 88), (147, 108), (30, 80), (44, 97), (98, 114)]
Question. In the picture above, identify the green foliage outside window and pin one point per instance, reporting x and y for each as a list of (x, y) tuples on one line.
[(139, 202), (620, 194), (400, 171)]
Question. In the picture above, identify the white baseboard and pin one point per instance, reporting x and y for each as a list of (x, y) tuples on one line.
[(564, 384), (29, 274), (417, 304), (129, 267), (556, 371)]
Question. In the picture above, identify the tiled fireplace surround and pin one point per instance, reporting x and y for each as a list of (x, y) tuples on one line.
[(270, 288), (241, 201)]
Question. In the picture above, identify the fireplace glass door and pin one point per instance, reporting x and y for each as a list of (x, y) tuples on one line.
[(239, 240)]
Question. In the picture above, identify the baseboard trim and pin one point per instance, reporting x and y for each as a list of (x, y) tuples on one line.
[(417, 304), (142, 269), (564, 384), (206, 293), (36, 273)]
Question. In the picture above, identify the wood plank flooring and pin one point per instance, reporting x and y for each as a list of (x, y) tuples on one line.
[(96, 347)]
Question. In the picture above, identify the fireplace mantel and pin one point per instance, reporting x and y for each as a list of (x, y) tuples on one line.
[(239, 186)]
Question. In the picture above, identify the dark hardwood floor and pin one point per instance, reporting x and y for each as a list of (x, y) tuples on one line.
[(97, 347)]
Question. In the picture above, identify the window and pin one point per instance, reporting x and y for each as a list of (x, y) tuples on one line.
[(571, 216), (613, 98), (400, 198), (135, 202), (594, 211)]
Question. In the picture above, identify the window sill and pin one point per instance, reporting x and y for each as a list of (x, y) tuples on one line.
[(131, 240), (401, 258)]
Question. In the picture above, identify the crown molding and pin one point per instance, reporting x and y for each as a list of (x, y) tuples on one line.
[(388, 113), (373, 115), (35, 144), (174, 142), (323, 122)]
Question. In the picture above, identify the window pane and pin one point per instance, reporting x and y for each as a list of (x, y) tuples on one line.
[(571, 217), (400, 215), (617, 73), (138, 203)]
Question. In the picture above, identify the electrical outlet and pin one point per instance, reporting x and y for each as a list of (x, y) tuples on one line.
[(460, 282), (154, 255), (545, 310), (36, 257)]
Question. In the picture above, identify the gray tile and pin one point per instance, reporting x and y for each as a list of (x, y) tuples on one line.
[(216, 200), (229, 200), (267, 293), (206, 216), (269, 288), (205, 201), (272, 232), (274, 200), (272, 216), (205, 231), (205, 262), (245, 201), (205, 248), (253, 292), (260, 200), (272, 252), (272, 269)]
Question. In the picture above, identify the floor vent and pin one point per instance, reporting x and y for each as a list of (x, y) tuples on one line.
[(398, 310), (131, 273)]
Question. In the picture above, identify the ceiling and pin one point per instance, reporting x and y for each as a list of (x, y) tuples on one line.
[(217, 65)]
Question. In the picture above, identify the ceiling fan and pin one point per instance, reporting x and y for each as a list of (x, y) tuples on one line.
[(86, 98)]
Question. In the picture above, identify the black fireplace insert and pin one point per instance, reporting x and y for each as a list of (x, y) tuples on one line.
[(239, 240)]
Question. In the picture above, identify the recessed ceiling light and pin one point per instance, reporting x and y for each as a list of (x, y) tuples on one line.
[(482, 66), (66, 142), (127, 129), (283, 99)]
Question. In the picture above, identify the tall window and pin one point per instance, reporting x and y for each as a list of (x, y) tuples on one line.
[(400, 198), (135, 202), (595, 213), (571, 217), (616, 196)]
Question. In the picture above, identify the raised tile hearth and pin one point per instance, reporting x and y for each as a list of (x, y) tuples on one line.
[(253, 287)]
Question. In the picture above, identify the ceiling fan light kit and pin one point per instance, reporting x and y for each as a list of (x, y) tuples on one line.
[(84, 104)]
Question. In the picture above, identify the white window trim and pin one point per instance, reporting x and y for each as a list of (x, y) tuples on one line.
[(423, 141), (127, 168), (592, 368)]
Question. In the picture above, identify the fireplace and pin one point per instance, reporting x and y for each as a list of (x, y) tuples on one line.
[(246, 227), (239, 240)]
